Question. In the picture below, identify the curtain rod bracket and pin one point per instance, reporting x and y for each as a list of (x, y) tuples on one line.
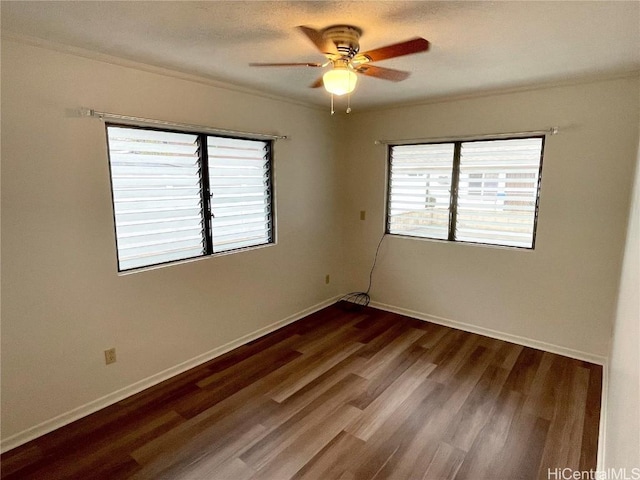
[(86, 112)]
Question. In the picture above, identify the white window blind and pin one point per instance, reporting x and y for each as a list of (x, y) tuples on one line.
[(471, 191), (504, 212), (239, 179), (183, 195), (156, 196), (420, 190)]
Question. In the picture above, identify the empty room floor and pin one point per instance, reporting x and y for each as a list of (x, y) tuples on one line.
[(344, 393)]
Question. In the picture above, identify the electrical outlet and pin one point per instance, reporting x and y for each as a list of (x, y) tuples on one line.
[(110, 356), (327, 279), (363, 214)]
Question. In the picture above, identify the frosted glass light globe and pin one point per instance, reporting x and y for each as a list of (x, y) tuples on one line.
[(340, 80)]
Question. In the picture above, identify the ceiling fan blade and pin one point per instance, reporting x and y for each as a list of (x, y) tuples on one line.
[(384, 73), (317, 84), (304, 64), (323, 45), (414, 45)]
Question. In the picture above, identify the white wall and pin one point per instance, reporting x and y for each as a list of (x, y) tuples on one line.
[(564, 292), (622, 446), (62, 301)]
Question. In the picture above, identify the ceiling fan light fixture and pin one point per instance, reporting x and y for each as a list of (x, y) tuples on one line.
[(340, 80), (341, 45)]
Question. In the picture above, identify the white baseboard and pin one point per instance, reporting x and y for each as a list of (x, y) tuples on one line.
[(100, 403), (487, 332)]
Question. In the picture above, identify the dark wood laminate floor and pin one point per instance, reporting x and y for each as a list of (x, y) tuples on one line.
[(342, 394)]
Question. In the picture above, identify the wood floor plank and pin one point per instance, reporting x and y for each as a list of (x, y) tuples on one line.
[(266, 356), (290, 459), (477, 409), (520, 460), (347, 393), (343, 332), (176, 387), (420, 447), (508, 353), (382, 407), (480, 459), (309, 368), (310, 392), (565, 431), (373, 326), (387, 375), (232, 469), (384, 337), (449, 362), (465, 378), (433, 334), (20, 458), (104, 457), (309, 417), (385, 355), (524, 370), (201, 433), (591, 417), (333, 460), (199, 456), (395, 449), (540, 401), (207, 397), (445, 463)]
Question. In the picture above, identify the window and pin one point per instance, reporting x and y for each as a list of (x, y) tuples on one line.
[(474, 191), (180, 195)]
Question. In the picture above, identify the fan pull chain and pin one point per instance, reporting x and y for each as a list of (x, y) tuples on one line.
[(349, 97), (332, 110)]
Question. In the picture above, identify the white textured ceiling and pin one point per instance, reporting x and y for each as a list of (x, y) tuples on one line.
[(475, 46)]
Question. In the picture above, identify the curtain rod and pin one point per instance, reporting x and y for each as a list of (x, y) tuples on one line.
[(89, 112), (548, 131)]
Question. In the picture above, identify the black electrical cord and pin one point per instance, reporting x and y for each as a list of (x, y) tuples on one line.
[(362, 299)]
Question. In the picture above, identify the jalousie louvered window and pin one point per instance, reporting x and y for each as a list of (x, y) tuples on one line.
[(182, 195), (468, 191)]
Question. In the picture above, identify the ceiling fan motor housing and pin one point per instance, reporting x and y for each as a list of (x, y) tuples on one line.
[(345, 37)]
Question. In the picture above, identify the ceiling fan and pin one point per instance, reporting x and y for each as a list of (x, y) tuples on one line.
[(341, 45)]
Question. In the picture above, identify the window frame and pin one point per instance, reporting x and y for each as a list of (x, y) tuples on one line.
[(205, 193), (454, 190)]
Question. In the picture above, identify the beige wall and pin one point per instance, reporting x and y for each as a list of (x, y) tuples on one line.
[(62, 301), (623, 401), (564, 292)]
